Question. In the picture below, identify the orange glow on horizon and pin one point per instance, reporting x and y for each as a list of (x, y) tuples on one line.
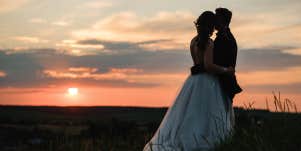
[(143, 97), (157, 96)]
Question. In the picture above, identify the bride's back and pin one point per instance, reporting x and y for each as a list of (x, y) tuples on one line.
[(197, 54)]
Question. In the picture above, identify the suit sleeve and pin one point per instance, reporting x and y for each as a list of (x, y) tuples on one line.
[(233, 48)]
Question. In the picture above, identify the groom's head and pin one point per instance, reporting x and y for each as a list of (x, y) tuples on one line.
[(223, 18)]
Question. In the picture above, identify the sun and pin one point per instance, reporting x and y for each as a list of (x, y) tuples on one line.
[(72, 91)]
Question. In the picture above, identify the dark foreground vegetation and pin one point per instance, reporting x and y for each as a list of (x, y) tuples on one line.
[(26, 128)]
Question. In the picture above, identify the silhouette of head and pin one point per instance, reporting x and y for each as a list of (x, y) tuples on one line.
[(223, 18), (205, 27)]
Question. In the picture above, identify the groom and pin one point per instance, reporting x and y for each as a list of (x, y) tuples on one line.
[(225, 51)]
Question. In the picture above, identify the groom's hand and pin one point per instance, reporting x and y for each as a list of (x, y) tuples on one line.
[(230, 71)]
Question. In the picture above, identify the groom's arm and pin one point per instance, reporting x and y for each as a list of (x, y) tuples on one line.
[(229, 51), (233, 54), (210, 66)]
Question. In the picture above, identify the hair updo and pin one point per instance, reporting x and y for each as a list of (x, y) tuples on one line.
[(205, 27)]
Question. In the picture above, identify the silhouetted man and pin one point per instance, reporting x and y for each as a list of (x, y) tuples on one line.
[(225, 51)]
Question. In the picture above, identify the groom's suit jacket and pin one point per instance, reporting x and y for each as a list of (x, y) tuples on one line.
[(224, 54)]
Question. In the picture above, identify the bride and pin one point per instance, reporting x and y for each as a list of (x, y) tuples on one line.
[(198, 118)]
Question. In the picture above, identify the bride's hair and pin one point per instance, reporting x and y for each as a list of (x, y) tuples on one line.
[(205, 27)]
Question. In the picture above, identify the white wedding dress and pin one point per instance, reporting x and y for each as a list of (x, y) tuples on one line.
[(197, 119)]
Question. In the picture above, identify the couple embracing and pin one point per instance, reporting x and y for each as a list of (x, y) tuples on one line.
[(202, 113)]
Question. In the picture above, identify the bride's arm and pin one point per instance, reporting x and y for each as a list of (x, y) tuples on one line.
[(210, 66)]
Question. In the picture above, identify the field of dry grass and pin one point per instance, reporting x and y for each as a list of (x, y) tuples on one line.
[(28, 128)]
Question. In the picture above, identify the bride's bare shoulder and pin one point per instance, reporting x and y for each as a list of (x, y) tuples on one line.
[(192, 42)]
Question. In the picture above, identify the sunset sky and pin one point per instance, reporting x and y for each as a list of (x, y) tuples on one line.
[(136, 52)]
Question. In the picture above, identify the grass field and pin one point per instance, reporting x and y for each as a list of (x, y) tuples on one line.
[(42, 128)]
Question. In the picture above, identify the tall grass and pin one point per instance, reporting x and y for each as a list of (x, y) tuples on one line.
[(278, 131), (285, 105)]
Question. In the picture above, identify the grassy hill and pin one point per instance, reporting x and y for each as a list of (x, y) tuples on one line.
[(48, 128)]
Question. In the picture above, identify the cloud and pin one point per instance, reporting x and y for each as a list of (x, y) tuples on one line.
[(26, 51), (74, 44), (253, 30), (38, 20), (2, 74), (262, 29), (138, 67), (249, 60), (128, 26), (296, 51), (28, 39), (77, 49), (96, 46), (90, 73), (10, 5), (128, 46), (61, 23), (262, 59), (111, 45), (126, 75), (98, 4), (83, 69), (19, 91), (41, 68)]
